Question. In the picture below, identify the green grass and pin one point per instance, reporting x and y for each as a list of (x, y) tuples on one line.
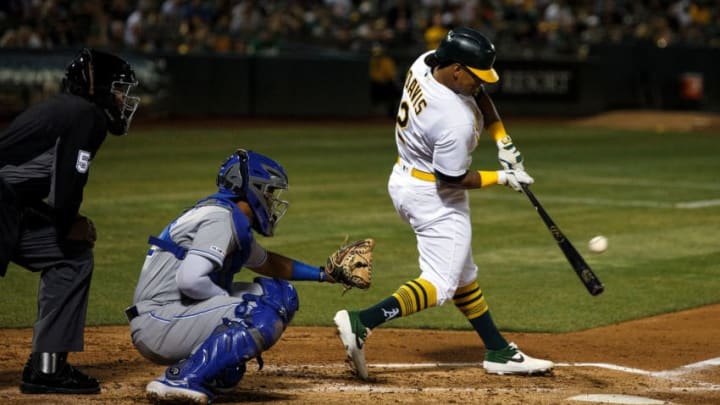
[(624, 185)]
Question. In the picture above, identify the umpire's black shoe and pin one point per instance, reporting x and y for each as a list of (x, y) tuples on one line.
[(67, 380)]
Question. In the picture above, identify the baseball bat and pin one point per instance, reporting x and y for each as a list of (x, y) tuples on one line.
[(587, 276)]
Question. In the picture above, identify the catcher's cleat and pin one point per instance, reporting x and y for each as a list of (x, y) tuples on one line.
[(353, 335), (511, 360), (164, 391), (67, 380)]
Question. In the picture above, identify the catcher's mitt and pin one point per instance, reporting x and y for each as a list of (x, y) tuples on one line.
[(351, 265)]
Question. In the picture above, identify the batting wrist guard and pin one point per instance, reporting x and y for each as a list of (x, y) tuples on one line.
[(488, 177), (497, 130)]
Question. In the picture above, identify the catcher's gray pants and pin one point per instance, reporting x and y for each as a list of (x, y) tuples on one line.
[(167, 333), (65, 273)]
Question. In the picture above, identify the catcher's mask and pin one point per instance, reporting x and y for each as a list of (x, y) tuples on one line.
[(105, 80), (258, 180)]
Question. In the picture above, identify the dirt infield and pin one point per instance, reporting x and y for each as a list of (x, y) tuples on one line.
[(647, 358), (658, 121)]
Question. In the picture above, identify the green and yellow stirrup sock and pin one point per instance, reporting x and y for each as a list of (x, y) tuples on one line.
[(470, 301), (411, 297)]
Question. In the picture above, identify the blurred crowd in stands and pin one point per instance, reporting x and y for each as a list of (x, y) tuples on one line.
[(561, 27)]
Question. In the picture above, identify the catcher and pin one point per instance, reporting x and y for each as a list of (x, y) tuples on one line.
[(188, 313)]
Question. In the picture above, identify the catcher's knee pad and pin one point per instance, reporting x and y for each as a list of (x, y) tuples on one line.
[(268, 315), (280, 294), (231, 344)]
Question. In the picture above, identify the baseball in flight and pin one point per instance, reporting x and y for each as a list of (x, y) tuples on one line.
[(598, 244)]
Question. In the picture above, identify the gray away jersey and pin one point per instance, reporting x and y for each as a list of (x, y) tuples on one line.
[(207, 231)]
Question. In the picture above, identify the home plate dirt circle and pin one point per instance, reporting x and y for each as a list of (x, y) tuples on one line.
[(672, 358)]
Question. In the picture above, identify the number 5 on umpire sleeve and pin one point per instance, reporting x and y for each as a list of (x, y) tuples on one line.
[(83, 161)]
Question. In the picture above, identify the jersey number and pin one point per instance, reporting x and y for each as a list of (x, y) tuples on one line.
[(402, 118), (83, 161)]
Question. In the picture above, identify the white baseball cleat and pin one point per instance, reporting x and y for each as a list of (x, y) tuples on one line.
[(165, 392), (353, 334), (511, 360)]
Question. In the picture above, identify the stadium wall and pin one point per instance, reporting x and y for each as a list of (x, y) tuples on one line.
[(337, 84)]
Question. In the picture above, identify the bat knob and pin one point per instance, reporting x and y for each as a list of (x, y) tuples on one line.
[(597, 289)]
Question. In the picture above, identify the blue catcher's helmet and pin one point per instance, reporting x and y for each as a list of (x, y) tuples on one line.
[(258, 180)]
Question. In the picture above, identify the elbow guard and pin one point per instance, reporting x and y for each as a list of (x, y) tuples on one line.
[(449, 179)]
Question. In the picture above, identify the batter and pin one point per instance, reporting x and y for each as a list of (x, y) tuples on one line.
[(441, 114)]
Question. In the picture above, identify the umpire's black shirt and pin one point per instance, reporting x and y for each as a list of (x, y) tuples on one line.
[(45, 155)]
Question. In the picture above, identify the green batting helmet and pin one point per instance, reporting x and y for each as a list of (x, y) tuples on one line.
[(471, 49)]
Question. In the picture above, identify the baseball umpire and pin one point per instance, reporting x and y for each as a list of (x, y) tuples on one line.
[(188, 312), (441, 114), (45, 157)]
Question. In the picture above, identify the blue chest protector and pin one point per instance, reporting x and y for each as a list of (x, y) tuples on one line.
[(237, 259)]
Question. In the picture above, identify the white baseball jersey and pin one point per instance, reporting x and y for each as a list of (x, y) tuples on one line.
[(436, 130)]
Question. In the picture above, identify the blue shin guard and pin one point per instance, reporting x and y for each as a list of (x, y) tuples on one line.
[(227, 379), (219, 362), (195, 378)]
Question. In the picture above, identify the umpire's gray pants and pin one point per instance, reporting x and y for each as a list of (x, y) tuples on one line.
[(65, 274)]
